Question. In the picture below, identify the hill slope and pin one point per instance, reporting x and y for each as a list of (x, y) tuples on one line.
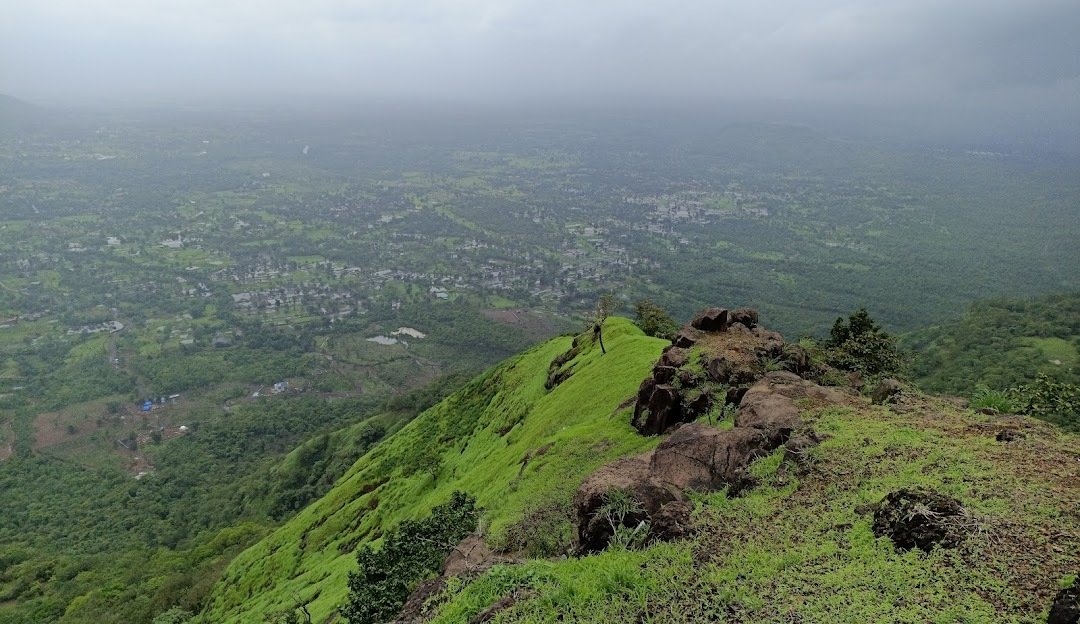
[(1001, 343), (480, 437), (798, 546)]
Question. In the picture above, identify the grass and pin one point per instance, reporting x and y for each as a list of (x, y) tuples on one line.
[(479, 437), (798, 547)]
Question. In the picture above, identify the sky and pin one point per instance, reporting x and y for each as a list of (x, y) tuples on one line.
[(1020, 55)]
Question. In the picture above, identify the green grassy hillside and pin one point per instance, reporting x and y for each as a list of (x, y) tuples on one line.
[(1000, 343), (476, 441), (796, 547), (799, 546)]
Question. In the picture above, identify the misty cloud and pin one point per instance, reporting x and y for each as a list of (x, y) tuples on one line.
[(1019, 53)]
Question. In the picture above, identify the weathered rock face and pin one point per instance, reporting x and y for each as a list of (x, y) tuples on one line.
[(711, 320), (704, 458), (631, 475), (659, 406), (747, 317), (1066, 607), (772, 414), (725, 365), (920, 519), (682, 382)]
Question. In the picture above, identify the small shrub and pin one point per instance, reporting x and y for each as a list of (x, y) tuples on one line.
[(987, 398), (654, 320), (1055, 401), (859, 345), (385, 577)]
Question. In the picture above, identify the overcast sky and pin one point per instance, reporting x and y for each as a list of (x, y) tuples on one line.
[(1018, 55)]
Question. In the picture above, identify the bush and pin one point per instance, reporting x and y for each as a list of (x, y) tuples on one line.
[(384, 578), (860, 345), (998, 400), (1054, 401), (654, 320)]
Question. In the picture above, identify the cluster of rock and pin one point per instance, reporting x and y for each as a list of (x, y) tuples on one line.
[(717, 350), (721, 357)]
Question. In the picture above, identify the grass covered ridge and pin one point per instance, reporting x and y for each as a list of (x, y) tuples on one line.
[(799, 547), (477, 441)]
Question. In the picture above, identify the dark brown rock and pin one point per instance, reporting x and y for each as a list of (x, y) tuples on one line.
[(735, 395), (734, 367), (674, 357), (701, 457), (664, 374), (632, 475), (920, 519), (672, 522), (1066, 607), (685, 339), (739, 328), (771, 413), (502, 604), (659, 406), (711, 320), (797, 449), (748, 317), (885, 390), (698, 406)]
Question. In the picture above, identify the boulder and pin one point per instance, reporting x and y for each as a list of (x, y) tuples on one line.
[(771, 413), (664, 374), (747, 317), (632, 475), (697, 407), (920, 519), (658, 407), (685, 339), (772, 343), (735, 395), (1066, 607), (734, 367), (711, 320), (701, 457), (797, 449), (674, 357), (885, 390)]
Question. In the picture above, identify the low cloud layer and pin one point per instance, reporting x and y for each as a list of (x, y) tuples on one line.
[(1012, 55)]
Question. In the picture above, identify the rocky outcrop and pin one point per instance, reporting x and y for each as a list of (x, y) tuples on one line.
[(702, 457), (710, 353), (719, 358), (711, 320), (920, 519), (631, 475)]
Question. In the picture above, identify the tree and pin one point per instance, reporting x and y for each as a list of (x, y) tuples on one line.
[(858, 344), (604, 307), (384, 578), (654, 320)]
